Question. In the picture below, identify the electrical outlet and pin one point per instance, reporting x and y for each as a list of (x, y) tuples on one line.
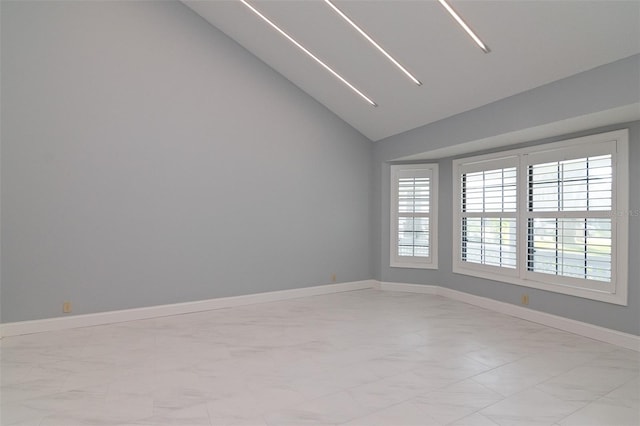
[(66, 308), (333, 278), (525, 299)]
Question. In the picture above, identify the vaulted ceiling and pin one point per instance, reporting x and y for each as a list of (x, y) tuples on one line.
[(532, 43)]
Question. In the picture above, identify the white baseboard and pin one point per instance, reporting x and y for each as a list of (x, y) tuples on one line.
[(409, 288), (591, 331), (595, 332), (111, 317)]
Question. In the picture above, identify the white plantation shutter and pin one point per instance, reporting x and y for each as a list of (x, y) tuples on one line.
[(488, 214), (569, 217), (553, 216), (413, 215), (569, 247)]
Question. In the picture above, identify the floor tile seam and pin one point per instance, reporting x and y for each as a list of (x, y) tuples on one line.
[(491, 368), (375, 410), (522, 358), (381, 379), (423, 395), (378, 410), (485, 387), (581, 365), (558, 375), (103, 399), (587, 401), (22, 401), (263, 417), (479, 414), (40, 415), (533, 387), (541, 324), (305, 401), (206, 405), (453, 422), (471, 359), (576, 410), (460, 381), (491, 418), (195, 404), (633, 370), (498, 392), (477, 410), (637, 378)]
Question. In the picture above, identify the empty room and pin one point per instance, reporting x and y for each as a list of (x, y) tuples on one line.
[(320, 212)]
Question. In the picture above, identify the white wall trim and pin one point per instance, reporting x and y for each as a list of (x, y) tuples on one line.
[(591, 331), (111, 317), (409, 288)]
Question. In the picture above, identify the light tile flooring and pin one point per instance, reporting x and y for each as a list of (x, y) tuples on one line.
[(357, 358)]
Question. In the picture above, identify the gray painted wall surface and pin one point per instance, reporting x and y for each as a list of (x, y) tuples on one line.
[(609, 86), (148, 159), (577, 95)]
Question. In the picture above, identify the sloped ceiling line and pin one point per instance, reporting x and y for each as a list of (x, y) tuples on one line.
[(309, 53), (533, 43)]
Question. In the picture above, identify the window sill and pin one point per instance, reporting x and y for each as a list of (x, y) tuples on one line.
[(601, 296), (413, 265)]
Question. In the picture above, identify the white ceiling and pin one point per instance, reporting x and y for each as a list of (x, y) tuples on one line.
[(532, 43)]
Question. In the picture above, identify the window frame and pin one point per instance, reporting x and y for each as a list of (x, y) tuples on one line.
[(617, 144), (414, 170), (484, 164)]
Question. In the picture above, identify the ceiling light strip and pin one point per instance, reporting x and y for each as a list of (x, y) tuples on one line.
[(314, 57), (464, 25), (373, 42)]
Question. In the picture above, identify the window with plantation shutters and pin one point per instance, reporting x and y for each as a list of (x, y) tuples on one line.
[(488, 215), (552, 216), (414, 215), (569, 217)]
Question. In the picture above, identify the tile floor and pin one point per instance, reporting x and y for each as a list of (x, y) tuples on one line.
[(357, 358)]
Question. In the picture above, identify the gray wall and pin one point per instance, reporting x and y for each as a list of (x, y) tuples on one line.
[(148, 159), (613, 85)]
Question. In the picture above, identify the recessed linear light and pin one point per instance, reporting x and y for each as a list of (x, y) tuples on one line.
[(314, 57), (464, 25), (373, 42)]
